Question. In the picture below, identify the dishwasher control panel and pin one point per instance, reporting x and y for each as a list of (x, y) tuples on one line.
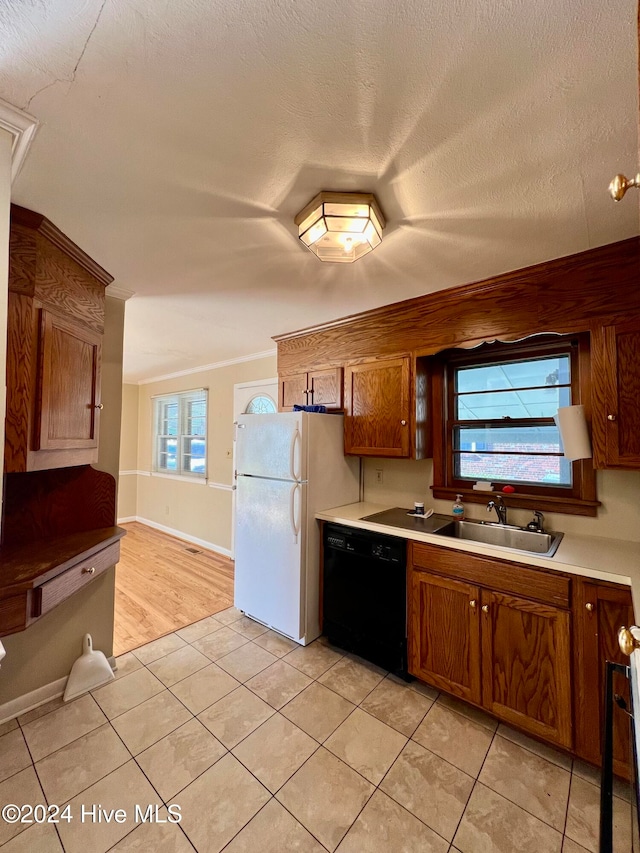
[(365, 543)]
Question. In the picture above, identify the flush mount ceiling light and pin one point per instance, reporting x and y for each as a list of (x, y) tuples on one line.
[(341, 227)]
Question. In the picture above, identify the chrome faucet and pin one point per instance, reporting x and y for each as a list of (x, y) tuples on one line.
[(500, 508), (537, 522)]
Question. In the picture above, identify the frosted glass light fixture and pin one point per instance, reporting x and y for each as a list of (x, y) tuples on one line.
[(341, 227)]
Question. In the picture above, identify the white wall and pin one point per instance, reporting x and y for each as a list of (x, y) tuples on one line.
[(406, 481)]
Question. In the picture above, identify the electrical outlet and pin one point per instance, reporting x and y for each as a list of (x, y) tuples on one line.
[(379, 476)]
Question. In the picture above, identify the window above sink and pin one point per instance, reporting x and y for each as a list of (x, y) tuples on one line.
[(493, 411)]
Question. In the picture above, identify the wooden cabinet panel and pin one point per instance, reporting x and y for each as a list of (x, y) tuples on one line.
[(444, 634), (319, 388), (54, 332), (292, 391), (526, 665), (377, 407), (69, 385), (326, 388), (600, 610), (622, 394), (547, 587)]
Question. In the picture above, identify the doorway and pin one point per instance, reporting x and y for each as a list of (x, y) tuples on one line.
[(259, 397)]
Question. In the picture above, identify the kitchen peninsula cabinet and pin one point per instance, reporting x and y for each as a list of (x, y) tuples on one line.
[(600, 610), (316, 388), (616, 426), (54, 334), (378, 407), (496, 634)]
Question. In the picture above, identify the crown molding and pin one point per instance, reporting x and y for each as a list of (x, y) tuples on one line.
[(253, 357), (119, 292), (22, 128)]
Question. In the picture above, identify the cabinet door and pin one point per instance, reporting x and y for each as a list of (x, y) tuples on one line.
[(599, 611), (526, 665), (622, 394), (292, 391), (444, 634), (68, 385), (377, 401), (326, 388)]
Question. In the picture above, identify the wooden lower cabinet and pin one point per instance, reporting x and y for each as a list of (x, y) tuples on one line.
[(445, 634), (600, 610), (526, 665), (509, 654)]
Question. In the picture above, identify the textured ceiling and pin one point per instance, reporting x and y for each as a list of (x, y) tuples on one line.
[(179, 139)]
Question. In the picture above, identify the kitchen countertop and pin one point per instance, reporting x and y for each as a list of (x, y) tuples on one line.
[(597, 557)]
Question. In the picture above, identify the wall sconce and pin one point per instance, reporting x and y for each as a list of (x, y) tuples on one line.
[(341, 227)]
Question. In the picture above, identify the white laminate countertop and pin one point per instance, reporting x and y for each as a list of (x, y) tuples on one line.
[(597, 557)]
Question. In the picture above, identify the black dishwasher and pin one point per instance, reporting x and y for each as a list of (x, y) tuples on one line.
[(365, 595)]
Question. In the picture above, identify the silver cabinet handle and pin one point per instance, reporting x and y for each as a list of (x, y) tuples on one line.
[(404, 423), (611, 417), (89, 571), (99, 406)]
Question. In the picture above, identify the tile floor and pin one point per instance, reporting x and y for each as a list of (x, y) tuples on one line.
[(269, 747)]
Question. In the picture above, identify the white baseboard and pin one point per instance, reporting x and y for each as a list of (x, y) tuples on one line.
[(179, 534), (39, 696)]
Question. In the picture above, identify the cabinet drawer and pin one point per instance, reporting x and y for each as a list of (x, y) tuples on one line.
[(53, 592), (515, 578)]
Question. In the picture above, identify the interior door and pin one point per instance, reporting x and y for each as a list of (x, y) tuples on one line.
[(249, 398), (269, 544)]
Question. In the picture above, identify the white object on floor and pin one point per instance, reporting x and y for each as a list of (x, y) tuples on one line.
[(91, 670)]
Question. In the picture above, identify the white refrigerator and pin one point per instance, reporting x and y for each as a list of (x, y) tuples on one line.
[(289, 466)]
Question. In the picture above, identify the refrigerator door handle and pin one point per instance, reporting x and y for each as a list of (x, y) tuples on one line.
[(295, 440), (295, 525)]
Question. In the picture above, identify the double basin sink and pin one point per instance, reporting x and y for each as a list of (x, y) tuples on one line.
[(488, 533)]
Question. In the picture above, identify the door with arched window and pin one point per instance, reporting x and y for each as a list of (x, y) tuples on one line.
[(252, 398)]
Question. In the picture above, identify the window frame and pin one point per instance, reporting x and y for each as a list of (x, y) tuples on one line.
[(578, 499), (181, 399)]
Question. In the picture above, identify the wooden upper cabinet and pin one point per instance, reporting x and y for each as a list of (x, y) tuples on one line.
[(317, 388), (66, 411), (444, 634), (377, 407), (292, 391), (55, 326), (526, 665), (621, 377), (600, 610)]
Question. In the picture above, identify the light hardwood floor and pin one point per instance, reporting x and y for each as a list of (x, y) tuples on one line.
[(161, 587)]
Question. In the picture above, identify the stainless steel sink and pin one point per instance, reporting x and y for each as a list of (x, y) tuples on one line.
[(504, 536)]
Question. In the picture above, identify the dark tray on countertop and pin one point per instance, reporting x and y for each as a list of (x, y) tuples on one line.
[(397, 517)]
